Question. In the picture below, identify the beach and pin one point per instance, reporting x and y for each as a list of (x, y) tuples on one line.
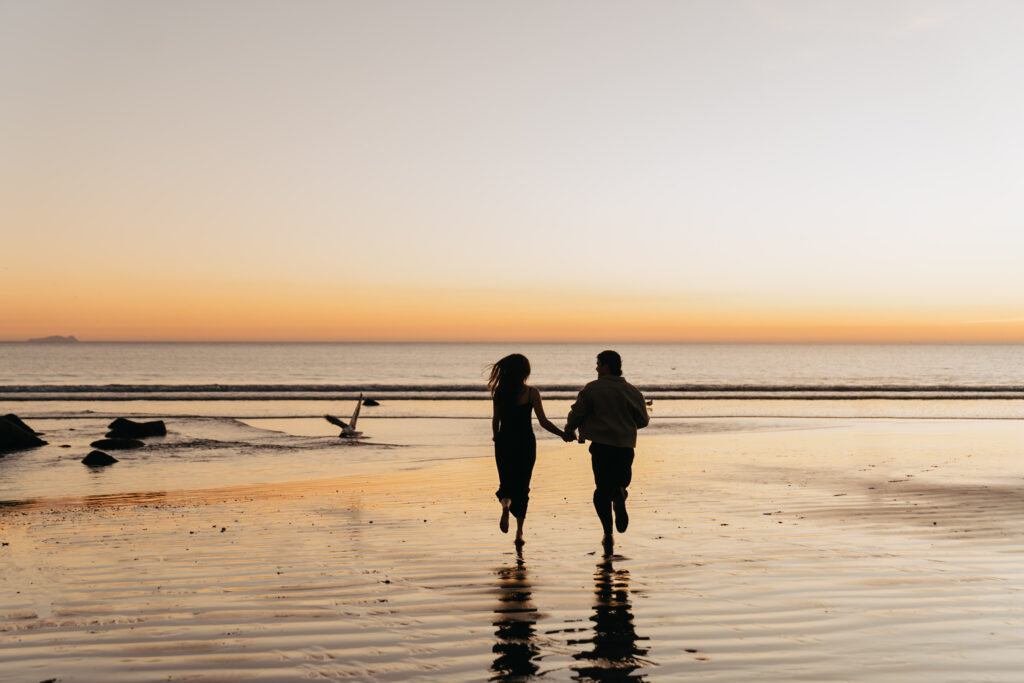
[(792, 227), (782, 548)]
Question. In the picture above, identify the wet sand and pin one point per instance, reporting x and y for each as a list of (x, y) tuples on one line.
[(800, 549)]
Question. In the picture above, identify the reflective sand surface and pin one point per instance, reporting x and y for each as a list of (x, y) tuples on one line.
[(781, 549)]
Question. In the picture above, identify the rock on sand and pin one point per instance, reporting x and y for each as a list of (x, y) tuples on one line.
[(15, 435), (122, 428), (98, 459), (117, 444)]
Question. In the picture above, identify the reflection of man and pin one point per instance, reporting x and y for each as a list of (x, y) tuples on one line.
[(608, 411), (615, 655)]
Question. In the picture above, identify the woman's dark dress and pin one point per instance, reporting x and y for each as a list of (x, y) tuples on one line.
[(515, 452)]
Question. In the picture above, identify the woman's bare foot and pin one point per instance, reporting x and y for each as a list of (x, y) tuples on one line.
[(519, 531), (503, 522)]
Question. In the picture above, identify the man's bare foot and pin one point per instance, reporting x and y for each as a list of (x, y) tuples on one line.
[(520, 540), (503, 522)]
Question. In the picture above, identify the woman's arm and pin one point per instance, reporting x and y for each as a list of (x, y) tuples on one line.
[(538, 405), (495, 422)]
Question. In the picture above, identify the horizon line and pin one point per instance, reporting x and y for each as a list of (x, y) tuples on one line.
[(42, 341)]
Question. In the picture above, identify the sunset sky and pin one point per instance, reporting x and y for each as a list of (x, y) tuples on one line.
[(626, 171)]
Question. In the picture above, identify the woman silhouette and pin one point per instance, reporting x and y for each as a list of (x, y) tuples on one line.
[(515, 448)]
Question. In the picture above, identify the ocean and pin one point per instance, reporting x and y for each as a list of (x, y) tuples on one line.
[(295, 371), (235, 412)]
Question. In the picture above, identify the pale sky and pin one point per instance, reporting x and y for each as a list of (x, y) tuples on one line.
[(688, 170)]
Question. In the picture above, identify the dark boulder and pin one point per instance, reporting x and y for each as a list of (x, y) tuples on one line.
[(117, 444), (122, 428), (15, 435), (98, 459), (370, 402), (10, 417)]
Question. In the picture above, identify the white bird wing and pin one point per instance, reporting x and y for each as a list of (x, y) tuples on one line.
[(355, 415)]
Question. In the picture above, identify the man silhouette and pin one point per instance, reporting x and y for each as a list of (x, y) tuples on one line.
[(608, 411)]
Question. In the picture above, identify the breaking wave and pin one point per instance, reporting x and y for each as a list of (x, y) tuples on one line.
[(279, 392)]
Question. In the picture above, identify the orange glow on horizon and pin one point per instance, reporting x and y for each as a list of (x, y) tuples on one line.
[(258, 312)]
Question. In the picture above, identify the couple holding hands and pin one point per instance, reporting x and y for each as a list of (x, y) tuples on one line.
[(607, 412)]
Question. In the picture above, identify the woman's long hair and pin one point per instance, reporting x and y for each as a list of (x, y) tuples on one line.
[(508, 377)]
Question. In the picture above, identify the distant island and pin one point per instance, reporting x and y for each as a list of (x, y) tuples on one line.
[(53, 339)]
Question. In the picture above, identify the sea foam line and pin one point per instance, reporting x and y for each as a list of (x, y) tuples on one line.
[(479, 388)]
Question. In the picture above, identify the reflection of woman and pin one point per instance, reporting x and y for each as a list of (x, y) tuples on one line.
[(515, 448), (615, 654), (516, 618)]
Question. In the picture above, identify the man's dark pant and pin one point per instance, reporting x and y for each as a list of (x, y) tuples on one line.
[(613, 470)]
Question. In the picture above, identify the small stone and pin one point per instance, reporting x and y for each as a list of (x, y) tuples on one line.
[(98, 459), (124, 428), (117, 444)]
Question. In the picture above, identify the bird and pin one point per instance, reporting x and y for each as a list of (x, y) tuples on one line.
[(348, 430)]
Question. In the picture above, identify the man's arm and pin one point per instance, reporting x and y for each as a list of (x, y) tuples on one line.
[(640, 414), (643, 417)]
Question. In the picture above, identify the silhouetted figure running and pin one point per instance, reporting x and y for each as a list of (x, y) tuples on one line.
[(515, 621), (608, 411), (515, 447)]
